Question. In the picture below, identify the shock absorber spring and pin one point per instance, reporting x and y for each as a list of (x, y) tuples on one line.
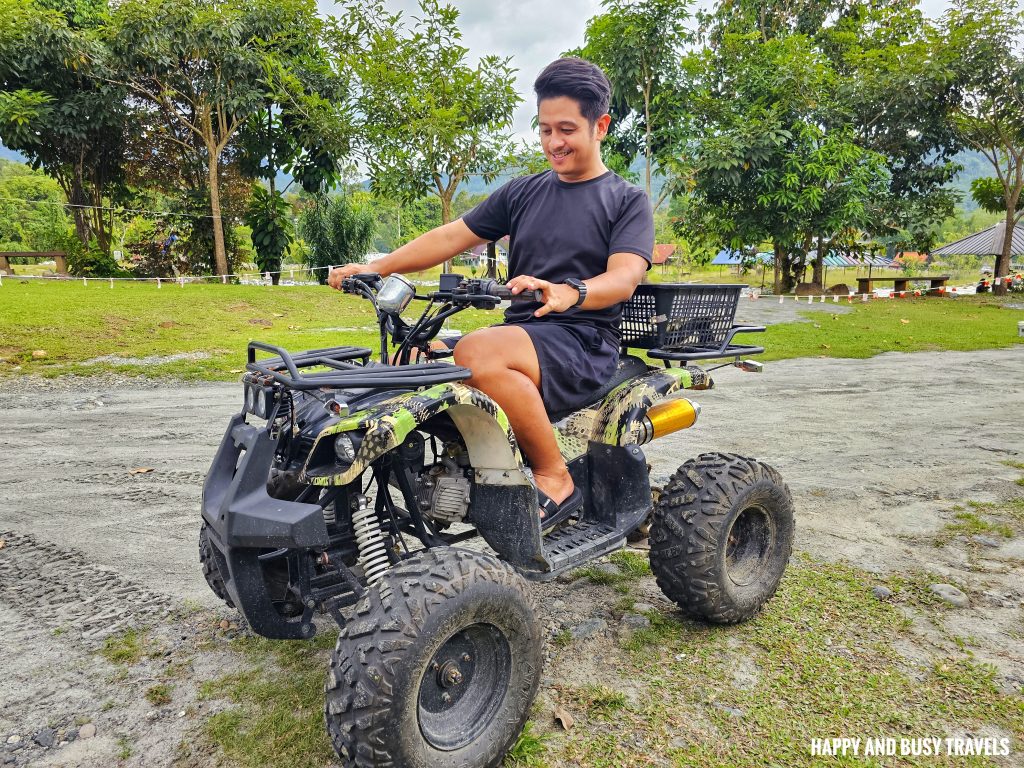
[(373, 553)]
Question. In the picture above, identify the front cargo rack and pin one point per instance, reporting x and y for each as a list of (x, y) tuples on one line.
[(686, 321), (345, 372)]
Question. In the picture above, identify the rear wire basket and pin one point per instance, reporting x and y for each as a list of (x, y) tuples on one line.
[(680, 316)]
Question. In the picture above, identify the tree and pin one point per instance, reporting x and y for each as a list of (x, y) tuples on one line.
[(983, 48), (336, 231), (893, 86), (639, 44), (207, 67), (430, 119), (58, 107), (766, 167)]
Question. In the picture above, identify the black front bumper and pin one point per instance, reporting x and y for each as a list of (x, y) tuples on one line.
[(244, 521), (236, 504)]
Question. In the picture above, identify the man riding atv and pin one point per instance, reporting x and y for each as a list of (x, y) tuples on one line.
[(581, 236)]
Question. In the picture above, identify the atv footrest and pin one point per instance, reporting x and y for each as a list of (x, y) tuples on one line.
[(574, 545)]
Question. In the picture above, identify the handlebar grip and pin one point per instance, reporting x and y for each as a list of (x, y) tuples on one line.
[(505, 294)]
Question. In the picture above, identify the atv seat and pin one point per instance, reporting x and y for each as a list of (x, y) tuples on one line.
[(629, 367)]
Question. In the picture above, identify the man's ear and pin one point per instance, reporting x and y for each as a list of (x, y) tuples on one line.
[(601, 126)]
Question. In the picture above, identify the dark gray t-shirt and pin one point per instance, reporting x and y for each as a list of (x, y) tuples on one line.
[(559, 230)]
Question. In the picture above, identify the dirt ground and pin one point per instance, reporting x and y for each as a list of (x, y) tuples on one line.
[(876, 452)]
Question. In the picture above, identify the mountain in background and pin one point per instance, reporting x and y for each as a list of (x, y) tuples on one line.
[(975, 167), (10, 154)]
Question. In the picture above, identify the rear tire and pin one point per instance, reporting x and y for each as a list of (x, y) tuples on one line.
[(722, 536), (438, 667)]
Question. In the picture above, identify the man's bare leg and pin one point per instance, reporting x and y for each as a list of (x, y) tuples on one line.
[(505, 367)]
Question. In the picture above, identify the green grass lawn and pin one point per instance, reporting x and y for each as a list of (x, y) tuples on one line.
[(822, 661), (72, 324)]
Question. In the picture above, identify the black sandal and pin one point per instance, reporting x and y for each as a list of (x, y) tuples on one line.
[(559, 513)]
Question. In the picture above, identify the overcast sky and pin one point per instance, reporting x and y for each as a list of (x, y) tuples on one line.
[(533, 33)]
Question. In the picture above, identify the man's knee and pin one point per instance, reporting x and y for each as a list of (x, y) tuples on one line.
[(475, 353), (495, 351)]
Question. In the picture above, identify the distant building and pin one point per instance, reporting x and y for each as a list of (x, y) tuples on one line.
[(663, 253), (477, 255)]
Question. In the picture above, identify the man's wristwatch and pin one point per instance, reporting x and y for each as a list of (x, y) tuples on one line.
[(580, 286)]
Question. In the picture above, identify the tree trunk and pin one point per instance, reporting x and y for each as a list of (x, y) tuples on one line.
[(446, 217), (492, 261), (219, 254), (80, 210), (777, 284), (647, 141), (819, 263), (1002, 266)]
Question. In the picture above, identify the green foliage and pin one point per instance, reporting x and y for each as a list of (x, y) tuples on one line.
[(213, 69), (160, 694), (430, 119), (336, 231), (32, 216), (770, 169), (989, 193), (127, 648), (58, 104), (269, 216), (529, 749), (640, 47), (88, 260), (983, 52)]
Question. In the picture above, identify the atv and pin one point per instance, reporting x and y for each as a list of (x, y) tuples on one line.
[(392, 497)]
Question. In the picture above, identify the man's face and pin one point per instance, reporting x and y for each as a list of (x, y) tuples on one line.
[(571, 144)]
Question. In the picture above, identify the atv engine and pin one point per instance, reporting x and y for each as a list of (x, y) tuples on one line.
[(443, 489)]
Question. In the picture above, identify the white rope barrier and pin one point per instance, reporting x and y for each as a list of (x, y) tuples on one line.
[(182, 279), (265, 278)]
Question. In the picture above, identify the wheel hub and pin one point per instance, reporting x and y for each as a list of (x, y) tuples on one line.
[(449, 675), (463, 686), (749, 544)]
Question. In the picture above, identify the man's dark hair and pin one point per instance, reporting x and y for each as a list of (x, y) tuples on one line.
[(578, 79)]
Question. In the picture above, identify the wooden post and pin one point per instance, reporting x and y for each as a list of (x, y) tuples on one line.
[(492, 260), (5, 265)]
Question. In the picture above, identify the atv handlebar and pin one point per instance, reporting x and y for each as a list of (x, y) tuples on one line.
[(482, 293), (455, 293)]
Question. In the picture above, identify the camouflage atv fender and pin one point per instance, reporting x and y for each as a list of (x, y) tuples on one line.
[(483, 424), (503, 500), (618, 418), (615, 419)]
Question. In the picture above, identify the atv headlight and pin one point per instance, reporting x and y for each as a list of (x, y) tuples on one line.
[(260, 404), (345, 448), (250, 398)]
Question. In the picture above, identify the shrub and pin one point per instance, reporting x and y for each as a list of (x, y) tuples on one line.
[(87, 261), (336, 232)]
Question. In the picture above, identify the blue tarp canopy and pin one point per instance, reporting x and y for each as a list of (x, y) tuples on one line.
[(833, 259), (728, 258)]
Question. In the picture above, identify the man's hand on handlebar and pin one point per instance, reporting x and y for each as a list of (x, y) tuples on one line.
[(340, 273), (557, 297)]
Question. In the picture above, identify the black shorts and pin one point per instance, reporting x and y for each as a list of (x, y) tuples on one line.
[(576, 359)]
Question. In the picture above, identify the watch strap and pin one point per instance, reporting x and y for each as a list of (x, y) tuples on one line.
[(581, 287)]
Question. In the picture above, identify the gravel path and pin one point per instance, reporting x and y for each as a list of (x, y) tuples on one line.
[(876, 453)]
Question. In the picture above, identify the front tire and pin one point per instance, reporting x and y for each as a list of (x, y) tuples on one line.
[(438, 667), (211, 569), (722, 536)]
